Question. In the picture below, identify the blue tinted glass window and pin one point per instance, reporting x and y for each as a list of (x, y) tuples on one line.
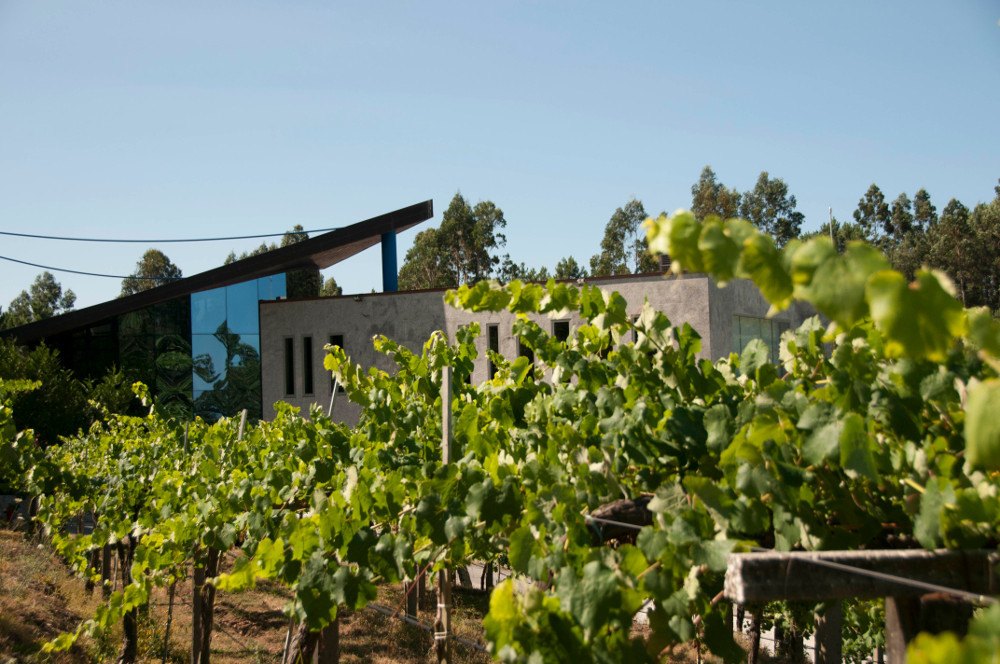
[(208, 311), (209, 357), (271, 288), (241, 307)]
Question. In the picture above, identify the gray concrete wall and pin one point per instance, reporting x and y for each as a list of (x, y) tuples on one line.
[(409, 318)]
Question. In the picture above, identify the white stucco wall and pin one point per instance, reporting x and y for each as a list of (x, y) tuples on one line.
[(410, 317)]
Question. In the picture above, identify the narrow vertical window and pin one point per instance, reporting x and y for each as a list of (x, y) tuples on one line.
[(307, 365), (289, 366), (525, 351), (336, 340), (493, 339), (560, 330)]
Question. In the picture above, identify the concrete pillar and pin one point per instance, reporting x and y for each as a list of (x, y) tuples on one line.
[(390, 273)]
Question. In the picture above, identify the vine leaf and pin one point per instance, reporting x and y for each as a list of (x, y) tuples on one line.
[(982, 426)]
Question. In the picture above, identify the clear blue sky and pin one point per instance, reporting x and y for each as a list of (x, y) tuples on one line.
[(176, 119)]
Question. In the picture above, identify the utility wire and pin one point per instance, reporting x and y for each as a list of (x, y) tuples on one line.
[(86, 274), (974, 598), (64, 238)]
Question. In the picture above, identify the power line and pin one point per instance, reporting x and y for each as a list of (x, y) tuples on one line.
[(86, 274), (64, 238), (974, 598)]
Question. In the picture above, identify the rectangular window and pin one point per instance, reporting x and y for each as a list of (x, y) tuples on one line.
[(336, 340), (748, 328), (307, 365), (560, 330), (289, 366), (493, 341), (524, 351)]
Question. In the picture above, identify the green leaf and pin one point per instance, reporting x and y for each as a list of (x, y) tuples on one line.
[(920, 320), (762, 263), (984, 330), (755, 355), (719, 637), (982, 425), (522, 545), (927, 526), (682, 232), (837, 286), (856, 456), (720, 252)]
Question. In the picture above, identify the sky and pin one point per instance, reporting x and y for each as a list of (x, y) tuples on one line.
[(192, 119)]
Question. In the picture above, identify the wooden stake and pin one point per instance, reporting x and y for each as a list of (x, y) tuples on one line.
[(442, 622), (829, 626)]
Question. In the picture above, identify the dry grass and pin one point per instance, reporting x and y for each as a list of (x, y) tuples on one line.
[(40, 598)]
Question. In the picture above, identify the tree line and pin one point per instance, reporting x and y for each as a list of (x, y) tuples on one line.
[(962, 242), (466, 247)]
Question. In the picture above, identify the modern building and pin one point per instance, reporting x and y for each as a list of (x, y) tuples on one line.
[(294, 332), (196, 341)]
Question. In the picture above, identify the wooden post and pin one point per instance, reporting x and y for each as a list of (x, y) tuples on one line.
[(836, 575), (198, 582), (243, 424), (106, 578), (442, 622), (412, 592), (829, 625), (902, 623)]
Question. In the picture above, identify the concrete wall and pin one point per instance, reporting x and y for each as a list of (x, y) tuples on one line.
[(410, 317)]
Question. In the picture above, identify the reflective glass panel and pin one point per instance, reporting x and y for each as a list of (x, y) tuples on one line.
[(241, 308), (271, 288), (209, 356), (208, 311)]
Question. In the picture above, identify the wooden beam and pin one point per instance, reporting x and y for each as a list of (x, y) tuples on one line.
[(792, 576)]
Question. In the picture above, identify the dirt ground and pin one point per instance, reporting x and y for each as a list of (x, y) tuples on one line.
[(40, 598)]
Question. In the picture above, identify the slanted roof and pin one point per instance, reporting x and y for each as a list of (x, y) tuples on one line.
[(321, 251)]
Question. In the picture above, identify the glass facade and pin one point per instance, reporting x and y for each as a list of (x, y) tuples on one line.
[(154, 346), (225, 347), (747, 328)]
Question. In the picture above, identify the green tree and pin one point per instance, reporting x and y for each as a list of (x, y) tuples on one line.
[(303, 282), (954, 250), (59, 407), (843, 232), (568, 268), (924, 212), (873, 215), (623, 247), (424, 266), (985, 223), (463, 249), (906, 241), (769, 207), (509, 270), (257, 251), (152, 270), (43, 299), (330, 288), (900, 218), (709, 196)]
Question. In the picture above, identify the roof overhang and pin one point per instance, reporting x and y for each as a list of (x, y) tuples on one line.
[(321, 251)]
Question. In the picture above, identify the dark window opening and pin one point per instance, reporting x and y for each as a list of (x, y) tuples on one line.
[(307, 365), (289, 366), (560, 330), (493, 339), (336, 340), (524, 351)]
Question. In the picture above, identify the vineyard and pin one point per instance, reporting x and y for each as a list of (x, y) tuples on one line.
[(875, 431)]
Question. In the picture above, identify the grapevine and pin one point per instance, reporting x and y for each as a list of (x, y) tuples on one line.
[(875, 428)]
